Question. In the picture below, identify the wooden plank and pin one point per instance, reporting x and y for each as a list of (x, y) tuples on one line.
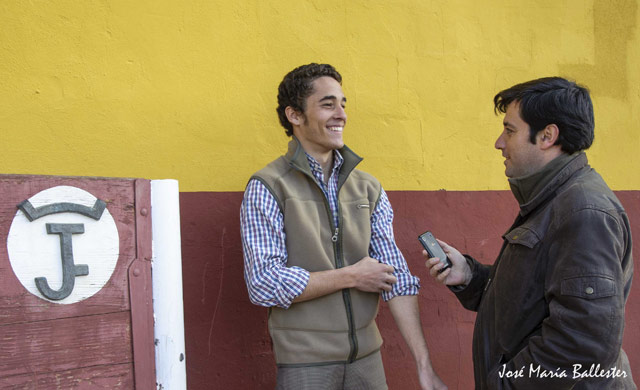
[(143, 219), (112, 377), (17, 305), (65, 344), (140, 288)]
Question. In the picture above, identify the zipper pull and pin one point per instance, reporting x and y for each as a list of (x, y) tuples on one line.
[(335, 236)]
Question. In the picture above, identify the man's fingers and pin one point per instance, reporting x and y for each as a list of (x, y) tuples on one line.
[(442, 277), (445, 247), (387, 281), (389, 268), (434, 265), (433, 261)]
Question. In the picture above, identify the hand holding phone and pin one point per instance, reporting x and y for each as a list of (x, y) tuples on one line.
[(434, 249)]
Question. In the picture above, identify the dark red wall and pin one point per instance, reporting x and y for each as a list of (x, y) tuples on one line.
[(227, 343)]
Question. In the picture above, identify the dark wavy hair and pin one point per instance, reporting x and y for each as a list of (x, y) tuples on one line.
[(553, 100), (297, 86)]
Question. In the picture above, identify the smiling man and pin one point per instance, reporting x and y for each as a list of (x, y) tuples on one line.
[(319, 249), (551, 307)]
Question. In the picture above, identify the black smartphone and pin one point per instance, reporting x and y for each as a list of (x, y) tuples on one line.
[(434, 249)]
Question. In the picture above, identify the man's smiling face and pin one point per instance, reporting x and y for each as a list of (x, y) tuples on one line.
[(322, 123)]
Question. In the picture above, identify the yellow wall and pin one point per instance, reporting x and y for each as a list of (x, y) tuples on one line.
[(186, 89)]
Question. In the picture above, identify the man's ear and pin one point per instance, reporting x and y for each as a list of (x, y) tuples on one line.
[(295, 117), (548, 136)]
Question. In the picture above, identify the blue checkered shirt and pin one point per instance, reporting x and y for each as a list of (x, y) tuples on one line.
[(269, 280)]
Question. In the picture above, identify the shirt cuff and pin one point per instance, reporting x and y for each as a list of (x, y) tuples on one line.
[(403, 287), (294, 282)]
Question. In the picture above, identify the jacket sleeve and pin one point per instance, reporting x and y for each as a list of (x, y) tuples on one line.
[(585, 288), (470, 295)]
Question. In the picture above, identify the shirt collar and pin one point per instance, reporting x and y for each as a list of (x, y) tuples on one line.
[(316, 169)]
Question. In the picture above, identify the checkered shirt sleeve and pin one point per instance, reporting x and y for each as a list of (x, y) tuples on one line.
[(384, 249), (269, 281)]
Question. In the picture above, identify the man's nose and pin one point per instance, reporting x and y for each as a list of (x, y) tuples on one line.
[(341, 113), (499, 144)]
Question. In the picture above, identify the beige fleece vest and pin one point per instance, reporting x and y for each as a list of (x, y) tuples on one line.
[(338, 327)]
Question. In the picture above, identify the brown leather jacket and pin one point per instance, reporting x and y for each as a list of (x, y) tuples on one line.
[(551, 308)]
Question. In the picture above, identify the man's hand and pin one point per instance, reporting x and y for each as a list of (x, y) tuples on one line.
[(367, 274), (372, 276), (458, 274), (429, 380)]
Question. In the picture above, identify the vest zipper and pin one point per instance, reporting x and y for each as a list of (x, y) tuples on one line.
[(346, 295)]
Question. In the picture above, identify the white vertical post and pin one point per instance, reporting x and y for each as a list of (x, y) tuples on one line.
[(167, 286)]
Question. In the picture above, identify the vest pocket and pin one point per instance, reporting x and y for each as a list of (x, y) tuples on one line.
[(356, 229)]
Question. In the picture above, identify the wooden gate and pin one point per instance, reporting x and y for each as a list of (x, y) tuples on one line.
[(76, 306)]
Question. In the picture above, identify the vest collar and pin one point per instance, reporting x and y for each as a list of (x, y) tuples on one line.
[(297, 158)]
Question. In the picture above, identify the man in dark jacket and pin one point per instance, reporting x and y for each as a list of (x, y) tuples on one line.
[(551, 307)]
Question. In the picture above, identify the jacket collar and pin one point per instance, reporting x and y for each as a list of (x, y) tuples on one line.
[(531, 191), (297, 158)]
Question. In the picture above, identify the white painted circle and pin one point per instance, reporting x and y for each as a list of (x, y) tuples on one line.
[(33, 253)]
